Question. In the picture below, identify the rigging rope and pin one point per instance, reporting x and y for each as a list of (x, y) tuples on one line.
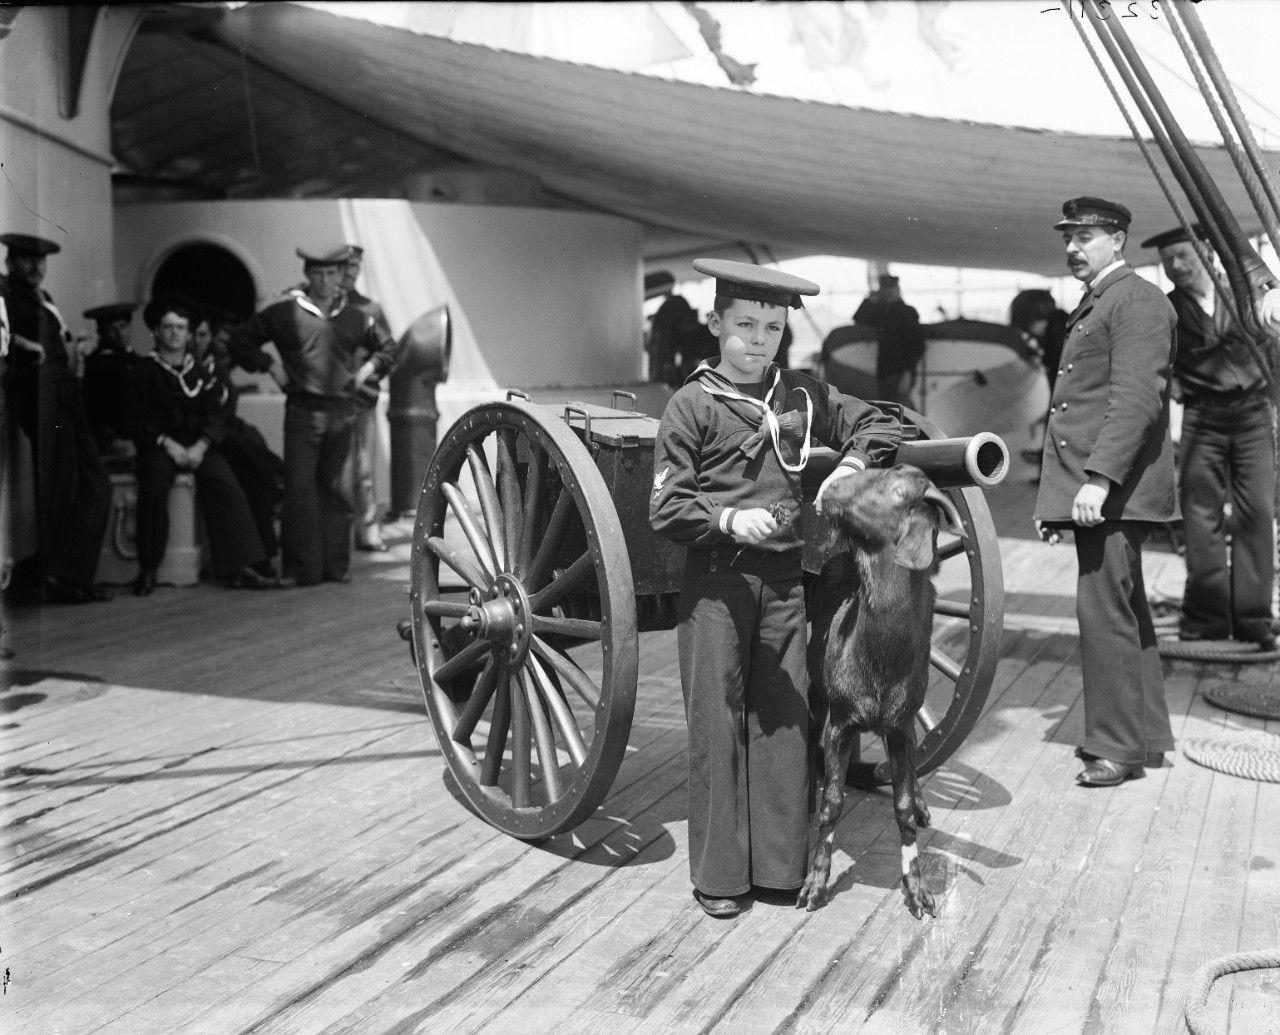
[(1203, 251)]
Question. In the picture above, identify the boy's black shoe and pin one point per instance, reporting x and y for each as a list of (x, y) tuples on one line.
[(720, 908)]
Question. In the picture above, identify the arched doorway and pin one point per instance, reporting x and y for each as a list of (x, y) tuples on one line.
[(210, 275)]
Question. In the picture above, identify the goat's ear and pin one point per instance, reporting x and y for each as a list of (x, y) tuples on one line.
[(914, 548)]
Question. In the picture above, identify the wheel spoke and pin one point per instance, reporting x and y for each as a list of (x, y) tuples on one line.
[(951, 608), (521, 745), (499, 726), (464, 659), (569, 732), (476, 704), (928, 721), (563, 584), (951, 549), (944, 663), (444, 608), (463, 567), (541, 564), (532, 508), (579, 682), (578, 628), (489, 507), (471, 527), (543, 741), (509, 495)]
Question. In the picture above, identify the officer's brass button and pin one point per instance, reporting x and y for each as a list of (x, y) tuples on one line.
[(713, 567), (1063, 444), (1070, 366), (1064, 406)]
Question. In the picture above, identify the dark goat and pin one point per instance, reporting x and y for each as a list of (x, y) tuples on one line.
[(872, 614)]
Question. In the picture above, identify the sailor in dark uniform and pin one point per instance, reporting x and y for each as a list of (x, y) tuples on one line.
[(328, 349), (73, 489), (1226, 455), (727, 463), (368, 534), (179, 421), (106, 380)]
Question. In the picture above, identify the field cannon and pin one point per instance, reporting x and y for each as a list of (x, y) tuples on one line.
[(534, 569)]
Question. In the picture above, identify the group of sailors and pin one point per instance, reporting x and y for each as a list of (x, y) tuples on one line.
[(87, 405)]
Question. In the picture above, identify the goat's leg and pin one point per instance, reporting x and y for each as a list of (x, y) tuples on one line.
[(923, 819), (901, 748), (837, 742)]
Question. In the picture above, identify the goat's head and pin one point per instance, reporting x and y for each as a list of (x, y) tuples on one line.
[(897, 507)]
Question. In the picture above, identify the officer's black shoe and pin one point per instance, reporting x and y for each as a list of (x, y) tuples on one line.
[(145, 583)]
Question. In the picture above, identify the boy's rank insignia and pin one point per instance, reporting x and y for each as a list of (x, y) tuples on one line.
[(659, 480)]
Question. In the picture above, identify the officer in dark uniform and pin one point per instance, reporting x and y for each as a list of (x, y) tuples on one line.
[(73, 489), (1226, 455), (328, 349), (1107, 475), (106, 382), (368, 534)]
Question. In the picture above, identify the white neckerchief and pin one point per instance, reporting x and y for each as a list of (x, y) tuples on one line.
[(769, 419), (4, 328), (180, 375), (304, 300)]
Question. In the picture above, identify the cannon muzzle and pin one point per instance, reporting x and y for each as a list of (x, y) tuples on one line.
[(950, 463), (980, 460)]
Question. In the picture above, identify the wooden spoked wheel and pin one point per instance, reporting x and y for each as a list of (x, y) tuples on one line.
[(968, 625), (523, 618)]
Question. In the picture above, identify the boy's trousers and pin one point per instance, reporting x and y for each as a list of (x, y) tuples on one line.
[(742, 667)]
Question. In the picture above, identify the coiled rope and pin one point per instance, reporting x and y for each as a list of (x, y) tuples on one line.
[(1231, 652), (1197, 1010)]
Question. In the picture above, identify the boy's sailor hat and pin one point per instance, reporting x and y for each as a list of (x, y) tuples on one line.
[(756, 283)]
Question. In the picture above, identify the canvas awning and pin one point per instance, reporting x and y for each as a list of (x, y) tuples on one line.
[(702, 168)]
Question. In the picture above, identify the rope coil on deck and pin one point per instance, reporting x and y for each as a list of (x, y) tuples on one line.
[(1231, 652), (1252, 754), (1256, 701), (1196, 1010)]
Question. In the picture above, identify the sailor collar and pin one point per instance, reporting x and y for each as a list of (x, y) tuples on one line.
[(716, 385), (180, 374), (304, 301)]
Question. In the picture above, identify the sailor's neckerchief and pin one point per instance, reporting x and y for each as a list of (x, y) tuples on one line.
[(304, 300), (179, 374), (715, 384)]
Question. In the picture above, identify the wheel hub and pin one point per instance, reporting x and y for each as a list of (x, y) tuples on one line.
[(502, 617)]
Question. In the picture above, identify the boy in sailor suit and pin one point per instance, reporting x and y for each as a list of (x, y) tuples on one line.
[(731, 445)]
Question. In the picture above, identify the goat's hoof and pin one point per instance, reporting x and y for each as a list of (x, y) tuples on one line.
[(919, 901), (923, 819), (813, 895)]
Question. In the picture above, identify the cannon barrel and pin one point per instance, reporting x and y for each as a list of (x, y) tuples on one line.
[(950, 463), (425, 349)]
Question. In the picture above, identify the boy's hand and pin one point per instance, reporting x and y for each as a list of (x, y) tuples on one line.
[(843, 471), (753, 526)]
